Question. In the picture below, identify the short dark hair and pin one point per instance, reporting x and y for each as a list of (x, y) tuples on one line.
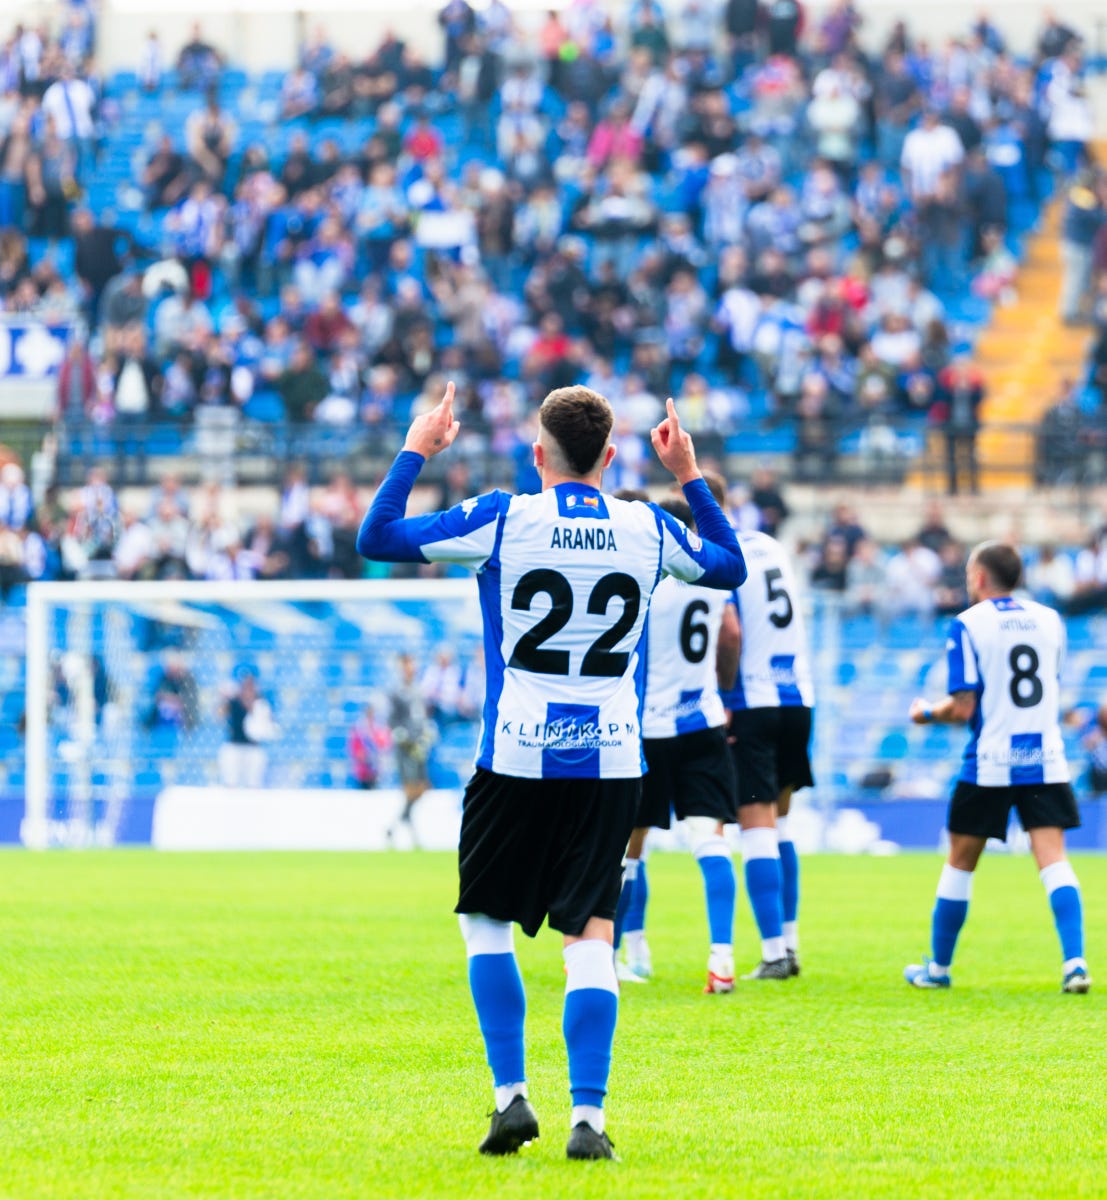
[(580, 421), (1001, 561), (675, 506), (716, 485)]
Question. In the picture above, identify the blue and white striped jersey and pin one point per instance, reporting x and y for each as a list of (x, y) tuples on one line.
[(682, 690), (1009, 652), (775, 668), (565, 581)]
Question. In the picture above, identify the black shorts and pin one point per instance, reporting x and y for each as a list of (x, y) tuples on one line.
[(532, 848), (692, 775), (986, 811), (770, 751)]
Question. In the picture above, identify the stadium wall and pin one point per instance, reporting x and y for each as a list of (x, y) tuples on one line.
[(264, 34)]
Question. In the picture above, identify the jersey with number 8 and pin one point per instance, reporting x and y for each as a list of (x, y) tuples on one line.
[(774, 670), (1009, 652)]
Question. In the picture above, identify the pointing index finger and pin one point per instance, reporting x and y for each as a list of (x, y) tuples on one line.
[(670, 408)]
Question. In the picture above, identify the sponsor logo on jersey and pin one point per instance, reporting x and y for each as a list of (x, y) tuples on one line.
[(565, 733), (467, 506)]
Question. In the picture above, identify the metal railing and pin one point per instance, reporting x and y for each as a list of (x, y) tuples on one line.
[(220, 444)]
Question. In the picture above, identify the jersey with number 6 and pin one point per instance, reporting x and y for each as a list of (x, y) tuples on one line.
[(682, 690), (565, 580), (775, 669), (1009, 652)]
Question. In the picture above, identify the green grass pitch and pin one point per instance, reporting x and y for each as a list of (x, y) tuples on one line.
[(300, 1026)]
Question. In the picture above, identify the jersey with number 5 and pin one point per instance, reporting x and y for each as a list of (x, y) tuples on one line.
[(682, 691), (565, 580), (1009, 652), (775, 669)]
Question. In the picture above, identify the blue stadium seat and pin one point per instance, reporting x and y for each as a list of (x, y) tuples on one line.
[(893, 746)]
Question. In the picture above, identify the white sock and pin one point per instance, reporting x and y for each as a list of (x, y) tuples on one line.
[(791, 935), (1070, 964), (589, 1113), (772, 949), (635, 939), (506, 1092)]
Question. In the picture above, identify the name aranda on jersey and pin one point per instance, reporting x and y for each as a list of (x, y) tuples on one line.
[(593, 538), (564, 632)]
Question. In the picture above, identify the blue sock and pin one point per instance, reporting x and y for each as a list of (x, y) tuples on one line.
[(949, 916), (501, 1006), (1068, 911), (591, 1010), (719, 888), (790, 879), (626, 896), (1068, 916), (764, 884), (950, 910), (640, 894)]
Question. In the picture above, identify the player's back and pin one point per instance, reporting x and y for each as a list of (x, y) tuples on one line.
[(1010, 652), (774, 669), (682, 692), (572, 579)]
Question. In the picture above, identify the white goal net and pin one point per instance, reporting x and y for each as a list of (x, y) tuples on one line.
[(130, 691)]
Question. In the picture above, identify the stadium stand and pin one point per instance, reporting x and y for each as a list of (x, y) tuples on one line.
[(256, 279)]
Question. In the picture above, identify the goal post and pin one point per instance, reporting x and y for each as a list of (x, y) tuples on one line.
[(127, 686)]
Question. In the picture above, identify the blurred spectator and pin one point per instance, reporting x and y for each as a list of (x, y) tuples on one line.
[(368, 742), (766, 496), (243, 758), (176, 697), (957, 414), (910, 580), (934, 534), (1094, 742), (151, 63), (1090, 592), (210, 138), (413, 736), (69, 103), (198, 63), (950, 592), (1084, 213), (1059, 456), (865, 575), (16, 503), (1050, 578), (830, 570)]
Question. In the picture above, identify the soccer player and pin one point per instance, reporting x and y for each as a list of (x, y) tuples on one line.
[(1004, 657), (565, 579), (770, 731), (692, 647)]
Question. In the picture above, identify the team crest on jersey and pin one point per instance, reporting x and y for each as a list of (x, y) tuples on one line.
[(695, 541)]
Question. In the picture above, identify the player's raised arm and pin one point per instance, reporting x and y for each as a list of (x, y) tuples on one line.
[(717, 562), (432, 432), (464, 534)]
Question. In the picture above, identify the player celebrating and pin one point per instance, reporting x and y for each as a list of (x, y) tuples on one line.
[(1004, 660), (770, 729), (692, 647), (565, 579)]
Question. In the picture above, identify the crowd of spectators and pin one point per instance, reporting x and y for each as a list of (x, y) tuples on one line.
[(723, 200), (924, 575)]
